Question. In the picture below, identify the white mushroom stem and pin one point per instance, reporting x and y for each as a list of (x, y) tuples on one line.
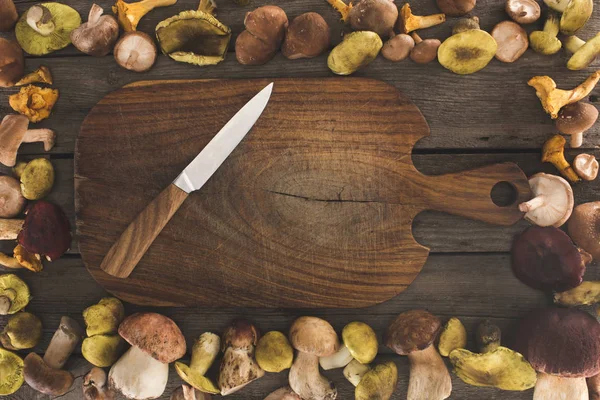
[(10, 228), (48, 136), (577, 139), (533, 204), (429, 377), (63, 343), (338, 360), (355, 371), (306, 380), (552, 387), (139, 376)]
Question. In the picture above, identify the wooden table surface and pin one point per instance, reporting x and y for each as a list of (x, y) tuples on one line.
[(491, 116)]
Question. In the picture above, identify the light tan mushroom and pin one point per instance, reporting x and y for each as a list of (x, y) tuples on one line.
[(135, 51), (586, 166), (512, 41), (12, 201), (398, 47), (12, 62), (8, 15), (425, 51), (13, 132), (523, 11), (553, 201), (574, 119)]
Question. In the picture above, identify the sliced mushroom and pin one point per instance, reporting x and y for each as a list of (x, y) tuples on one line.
[(425, 51), (274, 352), (553, 201), (408, 22), (98, 35), (523, 11), (584, 227), (586, 166), (545, 42), (511, 39), (135, 51), (204, 353), (576, 118), (553, 152), (12, 62), (584, 53)]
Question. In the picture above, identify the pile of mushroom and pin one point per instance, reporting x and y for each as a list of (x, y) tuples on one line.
[(264, 34), (103, 346), (98, 35)]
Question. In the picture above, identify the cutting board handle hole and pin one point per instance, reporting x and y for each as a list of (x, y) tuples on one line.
[(504, 194)]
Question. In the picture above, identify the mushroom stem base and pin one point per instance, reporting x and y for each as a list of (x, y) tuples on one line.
[(138, 376), (429, 377), (577, 140), (552, 387)]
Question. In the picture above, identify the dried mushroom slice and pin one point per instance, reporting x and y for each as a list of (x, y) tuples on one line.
[(467, 52), (11, 371), (14, 294)]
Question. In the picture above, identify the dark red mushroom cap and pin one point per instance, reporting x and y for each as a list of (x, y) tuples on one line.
[(412, 331), (560, 341), (240, 334), (46, 230), (545, 258)]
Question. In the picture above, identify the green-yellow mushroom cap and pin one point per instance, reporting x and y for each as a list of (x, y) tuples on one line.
[(204, 352), (361, 341), (273, 352)]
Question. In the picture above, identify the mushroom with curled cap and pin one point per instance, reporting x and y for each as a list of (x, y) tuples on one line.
[(377, 16), (425, 51), (274, 353), (34, 102), (11, 366), (284, 393), (523, 11), (12, 201), (14, 294), (408, 22), (307, 36), (574, 119), (359, 343), (563, 346), (511, 39), (13, 132), (98, 35), (546, 259), (575, 15), (12, 62), (412, 334), (553, 201), (46, 375), (22, 331), (312, 337), (546, 41), (586, 166), (584, 227), (205, 350), (143, 371), (135, 51), (238, 366), (130, 14), (8, 15), (584, 53), (95, 387), (553, 152), (398, 47), (456, 8), (378, 383)]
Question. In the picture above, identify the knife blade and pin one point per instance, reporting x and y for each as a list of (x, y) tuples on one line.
[(127, 251)]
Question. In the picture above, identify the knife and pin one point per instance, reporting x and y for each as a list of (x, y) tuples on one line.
[(133, 243)]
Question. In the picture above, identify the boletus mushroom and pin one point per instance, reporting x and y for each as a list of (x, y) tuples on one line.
[(575, 16), (238, 366), (8, 15), (11, 366), (37, 179), (488, 336), (586, 166), (456, 8), (584, 53), (284, 393), (412, 334), (425, 51), (95, 387), (563, 346), (553, 201), (584, 227), (312, 337), (130, 14), (357, 50), (546, 259), (103, 346), (588, 293), (135, 51), (511, 39), (408, 22), (378, 383), (274, 353), (546, 41), (398, 47), (465, 24), (467, 52), (204, 353), (12, 201), (576, 118), (14, 294), (264, 34), (12, 63), (22, 331), (46, 27), (34, 102), (553, 152), (377, 16), (143, 371), (453, 336), (359, 343), (523, 11), (98, 35), (307, 36), (195, 37)]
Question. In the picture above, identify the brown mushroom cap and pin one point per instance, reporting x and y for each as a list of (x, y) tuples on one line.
[(377, 16), (523, 11), (584, 227), (456, 8), (8, 15), (512, 41), (546, 259), (46, 380), (12, 62), (12, 131), (135, 51), (267, 23), (398, 48), (155, 335), (314, 336), (560, 341), (240, 334), (576, 118), (412, 331), (307, 36), (425, 51), (12, 201), (46, 230), (586, 166)]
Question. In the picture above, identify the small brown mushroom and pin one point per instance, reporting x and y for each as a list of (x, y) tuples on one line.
[(584, 227), (512, 41), (574, 119), (456, 8), (13, 132), (586, 166), (425, 51), (98, 35), (407, 22), (553, 201), (554, 153), (12, 63), (135, 51), (307, 37), (398, 47), (265, 31), (523, 11), (95, 387), (377, 16), (12, 201), (488, 336), (8, 15), (40, 75)]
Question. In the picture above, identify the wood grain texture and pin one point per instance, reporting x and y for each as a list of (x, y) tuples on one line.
[(320, 195)]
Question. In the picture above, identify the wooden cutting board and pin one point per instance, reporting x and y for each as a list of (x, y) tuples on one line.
[(313, 209)]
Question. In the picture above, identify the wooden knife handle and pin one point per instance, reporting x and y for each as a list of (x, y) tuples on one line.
[(133, 243)]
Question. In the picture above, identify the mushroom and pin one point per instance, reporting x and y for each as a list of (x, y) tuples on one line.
[(185, 392), (25, 259), (467, 52), (22, 331), (545, 42), (130, 14), (425, 51), (488, 336), (195, 37), (204, 352), (586, 166), (8, 15), (307, 36), (135, 51), (546, 259), (46, 375), (563, 346), (13, 132), (554, 99), (265, 31), (583, 227), (14, 294), (553, 201), (355, 371), (511, 39), (40, 75), (284, 393), (593, 384), (37, 179), (465, 24), (12, 63), (554, 153), (312, 337), (456, 8), (575, 16), (357, 50), (377, 16), (378, 383), (407, 22), (46, 27), (588, 293), (104, 317), (238, 367), (94, 385), (143, 371), (11, 366), (412, 333), (98, 35), (557, 5), (274, 352), (576, 118), (523, 11), (12, 201), (102, 350), (359, 343), (398, 47), (34, 102), (584, 53), (453, 336)]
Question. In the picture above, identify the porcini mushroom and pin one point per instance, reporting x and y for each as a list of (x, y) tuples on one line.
[(307, 36), (456, 8), (238, 367), (523, 11), (284, 393), (553, 201), (553, 152), (586, 166), (34, 102), (584, 227), (130, 14), (584, 53), (357, 50), (359, 343), (11, 366), (14, 294), (98, 35), (37, 179), (511, 39), (355, 371), (453, 336), (465, 24), (488, 336), (40, 75), (12, 63), (12, 201), (13, 132), (575, 16), (467, 52), (412, 334), (563, 345), (545, 42), (95, 387), (408, 22), (274, 352), (204, 352), (554, 99), (135, 51), (576, 118), (104, 317), (264, 34), (425, 51), (23, 331), (46, 27), (546, 259), (46, 375), (398, 47), (312, 337), (588, 293), (8, 15), (377, 16), (378, 383)]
